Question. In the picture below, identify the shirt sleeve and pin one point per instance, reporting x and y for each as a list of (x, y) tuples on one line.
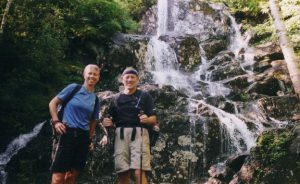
[(63, 95), (149, 105)]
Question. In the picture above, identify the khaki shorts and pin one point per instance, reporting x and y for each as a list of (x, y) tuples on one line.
[(127, 152)]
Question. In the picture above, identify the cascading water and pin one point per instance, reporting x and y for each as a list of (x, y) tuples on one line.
[(162, 62), (240, 45), (161, 59), (13, 148)]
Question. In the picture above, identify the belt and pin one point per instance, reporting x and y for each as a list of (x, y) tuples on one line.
[(133, 134), (76, 132)]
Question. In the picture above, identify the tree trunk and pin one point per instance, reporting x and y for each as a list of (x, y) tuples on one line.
[(5, 13), (286, 47)]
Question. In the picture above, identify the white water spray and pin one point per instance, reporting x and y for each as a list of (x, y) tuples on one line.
[(13, 148), (240, 45), (161, 59)]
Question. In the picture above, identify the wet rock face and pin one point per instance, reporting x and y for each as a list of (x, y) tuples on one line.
[(171, 154), (280, 107), (148, 22), (188, 52), (268, 51), (223, 172), (213, 47), (273, 81), (228, 71)]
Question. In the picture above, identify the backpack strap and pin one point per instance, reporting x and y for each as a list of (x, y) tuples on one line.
[(140, 100), (63, 105)]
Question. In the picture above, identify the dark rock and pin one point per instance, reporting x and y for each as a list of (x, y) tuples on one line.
[(295, 145), (238, 83), (235, 163), (188, 54), (280, 107), (229, 71), (213, 47), (262, 65), (223, 172), (148, 22), (268, 50), (269, 87)]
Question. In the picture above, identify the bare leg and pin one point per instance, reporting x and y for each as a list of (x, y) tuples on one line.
[(137, 177), (58, 178), (71, 176), (124, 177)]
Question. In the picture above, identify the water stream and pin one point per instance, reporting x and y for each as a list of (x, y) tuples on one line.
[(14, 147)]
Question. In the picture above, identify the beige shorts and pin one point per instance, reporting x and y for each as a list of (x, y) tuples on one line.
[(127, 152)]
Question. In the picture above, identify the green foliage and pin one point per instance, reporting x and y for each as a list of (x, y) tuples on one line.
[(39, 49), (97, 20), (244, 97), (250, 7), (137, 7), (274, 162), (272, 148), (291, 14)]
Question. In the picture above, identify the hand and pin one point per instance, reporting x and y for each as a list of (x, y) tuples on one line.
[(60, 128), (103, 141), (107, 122), (91, 146), (144, 119)]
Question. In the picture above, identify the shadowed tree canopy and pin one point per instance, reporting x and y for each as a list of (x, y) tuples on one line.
[(43, 47)]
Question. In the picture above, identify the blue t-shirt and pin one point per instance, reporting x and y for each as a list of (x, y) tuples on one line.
[(79, 110)]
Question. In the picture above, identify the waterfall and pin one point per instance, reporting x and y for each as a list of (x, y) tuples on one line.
[(161, 61), (162, 18), (240, 45), (13, 148)]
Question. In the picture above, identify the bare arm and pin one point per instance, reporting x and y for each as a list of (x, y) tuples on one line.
[(104, 139), (53, 107), (59, 126), (103, 128), (92, 128), (107, 122)]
